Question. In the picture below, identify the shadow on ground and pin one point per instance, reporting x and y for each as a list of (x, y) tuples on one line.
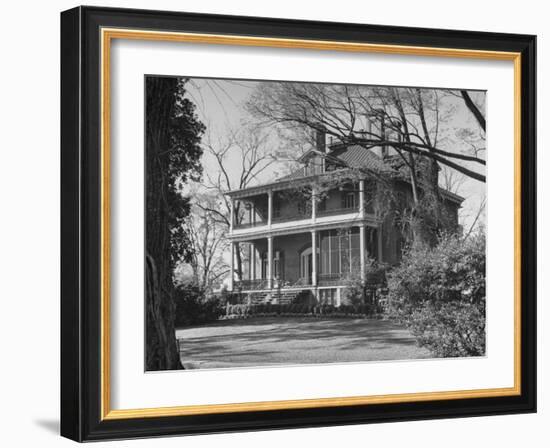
[(272, 341), (51, 426)]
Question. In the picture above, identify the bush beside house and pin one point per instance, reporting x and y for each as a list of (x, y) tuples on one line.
[(358, 292), (439, 293), (193, 307)]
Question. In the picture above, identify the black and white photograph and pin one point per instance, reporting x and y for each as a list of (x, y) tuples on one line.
[(293, 223), (275, 224)]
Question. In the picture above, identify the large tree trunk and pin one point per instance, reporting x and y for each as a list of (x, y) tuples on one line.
[(161, 346)]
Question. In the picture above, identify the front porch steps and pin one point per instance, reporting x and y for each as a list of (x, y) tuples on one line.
[(275, 296)]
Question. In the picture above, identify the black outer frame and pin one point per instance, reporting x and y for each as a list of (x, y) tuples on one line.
[(80, 223)]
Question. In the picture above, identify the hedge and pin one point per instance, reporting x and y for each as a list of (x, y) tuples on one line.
[(301, 310)]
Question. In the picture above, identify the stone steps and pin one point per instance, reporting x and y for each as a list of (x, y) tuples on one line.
[(282, 297)]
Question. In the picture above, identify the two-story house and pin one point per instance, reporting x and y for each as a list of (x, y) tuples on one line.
[(321, 225)]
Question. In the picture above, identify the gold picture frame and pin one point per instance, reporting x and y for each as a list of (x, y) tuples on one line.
[(107, 32)]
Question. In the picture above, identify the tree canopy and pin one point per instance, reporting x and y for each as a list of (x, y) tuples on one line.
[(406, 119)]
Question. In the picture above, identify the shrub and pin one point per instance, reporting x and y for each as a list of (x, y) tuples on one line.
[(440, 294), (354, 293), (451, 329), (193, 307), (304, 297), (238, 311), (358, 292), (233, 298)]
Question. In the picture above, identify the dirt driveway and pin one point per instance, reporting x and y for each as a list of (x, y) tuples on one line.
[(275, 341)]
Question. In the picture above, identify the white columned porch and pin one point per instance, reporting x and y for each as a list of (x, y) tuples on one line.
[(232, 266), (269, 207), (252, 262), (380, 247), (362, 198), (231, 214), (314, 257), (269, 273), (313, 205), (362, 251)]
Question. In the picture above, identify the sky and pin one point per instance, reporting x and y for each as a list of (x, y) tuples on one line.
[(220, 106)]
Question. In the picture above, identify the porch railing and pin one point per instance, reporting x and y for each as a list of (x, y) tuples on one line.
[(330, 279), (303, 281), (257, 284), (248, 285), (247, 225), (337, 211), (373, 279), (287, 218), (298, 216)]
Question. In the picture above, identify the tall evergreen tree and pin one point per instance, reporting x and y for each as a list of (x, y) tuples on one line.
[(173, 152)]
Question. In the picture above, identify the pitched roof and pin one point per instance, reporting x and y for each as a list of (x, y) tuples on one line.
[(356, 157), (353, 156)]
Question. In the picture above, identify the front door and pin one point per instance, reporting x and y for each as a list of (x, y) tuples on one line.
[(306, 264)]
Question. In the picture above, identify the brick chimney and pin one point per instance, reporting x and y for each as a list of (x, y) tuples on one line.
[(321, 140)]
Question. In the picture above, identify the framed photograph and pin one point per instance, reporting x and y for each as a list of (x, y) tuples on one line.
[(273, 224)]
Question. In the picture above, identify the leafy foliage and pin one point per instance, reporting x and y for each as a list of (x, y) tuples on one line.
[(184, 165), (440, 294), (243, 311), (193, 307), (358, 292), (304, 297), (451, 329)]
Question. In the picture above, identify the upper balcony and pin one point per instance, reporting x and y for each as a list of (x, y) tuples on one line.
[(298, 208)]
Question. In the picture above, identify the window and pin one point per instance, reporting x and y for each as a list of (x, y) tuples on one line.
[(306, 265), (278, 265), (334, 252), (264, 265), (372, 243), (315, 165), (349, 200), (330, 252), (276, 208)]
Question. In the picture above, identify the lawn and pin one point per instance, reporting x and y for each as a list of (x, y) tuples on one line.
[(275, 341)]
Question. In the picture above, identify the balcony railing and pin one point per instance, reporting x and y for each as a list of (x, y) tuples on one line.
[(248, 225), (337, 211), (297, 217), (287, 218)]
